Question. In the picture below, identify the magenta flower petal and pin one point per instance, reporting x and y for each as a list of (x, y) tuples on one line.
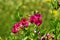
[(36, 19), (16, 25), (32, 19), (38, 15), (38, 23), (15, 28), (24, 23)]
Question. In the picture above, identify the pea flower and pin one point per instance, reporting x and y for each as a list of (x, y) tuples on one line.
[(15, 28), (36, 19), (50, 36), (42, 38), (23, 23)]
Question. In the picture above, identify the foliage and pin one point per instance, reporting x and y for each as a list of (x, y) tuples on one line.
[(12, 11)]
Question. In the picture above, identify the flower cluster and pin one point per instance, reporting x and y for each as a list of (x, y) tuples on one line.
[(36, 19), (15, 28), (47, 37), (20, 25), (24, 23)]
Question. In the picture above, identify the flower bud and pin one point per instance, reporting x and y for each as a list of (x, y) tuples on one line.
[(43, 38)]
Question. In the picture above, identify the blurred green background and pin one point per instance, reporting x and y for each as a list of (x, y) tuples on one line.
[(11, 11)]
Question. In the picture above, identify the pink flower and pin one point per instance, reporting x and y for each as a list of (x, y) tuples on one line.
[(43, 38), (36, 19), (48, 35), (23, 23), (32, 19), (52, 37), (15, 28)]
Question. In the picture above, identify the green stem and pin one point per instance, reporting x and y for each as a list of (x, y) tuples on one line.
[(55, 33), (56, 22)]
